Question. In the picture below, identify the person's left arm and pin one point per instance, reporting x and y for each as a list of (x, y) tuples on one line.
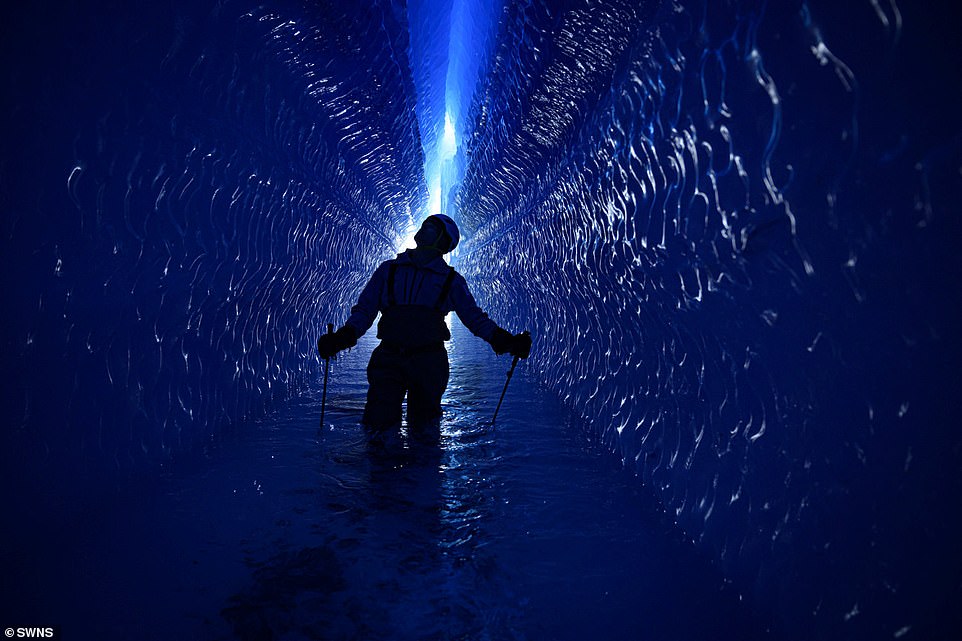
[(368, 303), (361, 319)]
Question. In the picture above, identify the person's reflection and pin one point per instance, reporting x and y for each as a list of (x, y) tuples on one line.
[(407, 477)]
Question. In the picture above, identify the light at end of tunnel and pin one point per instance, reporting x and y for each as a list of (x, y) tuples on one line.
[(434, 196), (449, 142)]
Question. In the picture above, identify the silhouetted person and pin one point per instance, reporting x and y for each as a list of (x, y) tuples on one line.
[(414, 292)]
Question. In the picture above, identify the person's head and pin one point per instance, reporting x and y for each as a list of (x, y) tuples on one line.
[(438, 232)]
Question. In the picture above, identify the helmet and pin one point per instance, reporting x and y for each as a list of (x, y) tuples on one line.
[(438, 232)]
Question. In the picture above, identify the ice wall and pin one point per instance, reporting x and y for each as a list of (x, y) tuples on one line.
[(735, 257), (731, 227), (188, 191)]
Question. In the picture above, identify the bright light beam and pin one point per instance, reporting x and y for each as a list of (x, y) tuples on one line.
[(449, 142)]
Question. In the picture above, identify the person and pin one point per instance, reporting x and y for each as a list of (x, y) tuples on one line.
[(414, 292)]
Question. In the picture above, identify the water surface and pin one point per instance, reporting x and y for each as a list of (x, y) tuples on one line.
[(523, 530)]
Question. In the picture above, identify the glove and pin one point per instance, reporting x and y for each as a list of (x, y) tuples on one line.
[(518, 345), (501, 341), (521, 345), (330, 344)]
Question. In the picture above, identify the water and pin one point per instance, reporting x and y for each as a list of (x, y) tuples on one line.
[(525, 530)]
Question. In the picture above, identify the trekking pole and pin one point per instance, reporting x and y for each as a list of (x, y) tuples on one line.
[(327, 369), (510, 372)]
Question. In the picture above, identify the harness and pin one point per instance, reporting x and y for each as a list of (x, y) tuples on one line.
[(411, 329), (445, 287)]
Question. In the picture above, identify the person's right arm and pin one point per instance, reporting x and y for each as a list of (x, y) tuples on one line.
[(468, 311), (478, 322)]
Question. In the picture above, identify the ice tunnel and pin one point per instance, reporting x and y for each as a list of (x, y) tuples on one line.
[(730, 225)]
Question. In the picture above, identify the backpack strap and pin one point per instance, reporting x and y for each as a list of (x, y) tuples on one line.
[(391, 271), (445, 288)]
